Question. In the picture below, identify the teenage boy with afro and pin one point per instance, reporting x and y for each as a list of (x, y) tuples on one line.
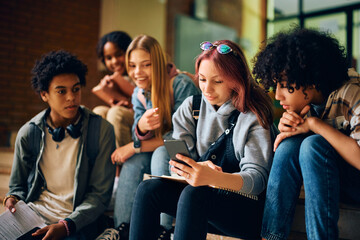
[(53, 169), (319, 143)]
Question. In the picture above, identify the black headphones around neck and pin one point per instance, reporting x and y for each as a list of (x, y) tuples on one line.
[(58, 134)]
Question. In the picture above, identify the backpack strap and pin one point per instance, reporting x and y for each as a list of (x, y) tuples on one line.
[(35, 136), (92, 141), (34, 145), (196, 108)]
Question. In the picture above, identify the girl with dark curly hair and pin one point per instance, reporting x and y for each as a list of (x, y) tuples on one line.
[(319, 143), (117, 87), (116, 90)]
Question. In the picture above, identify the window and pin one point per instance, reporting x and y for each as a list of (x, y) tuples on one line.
[(341, 18), (356, 40)]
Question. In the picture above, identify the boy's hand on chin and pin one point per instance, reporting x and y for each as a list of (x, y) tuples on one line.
[(292, 124), (302, 128), (290, 120)]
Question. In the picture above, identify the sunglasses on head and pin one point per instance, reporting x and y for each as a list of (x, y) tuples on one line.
[(222, 48)]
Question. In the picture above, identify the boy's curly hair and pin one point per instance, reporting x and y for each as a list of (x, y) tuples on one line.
[(55, 63), (303, 57)]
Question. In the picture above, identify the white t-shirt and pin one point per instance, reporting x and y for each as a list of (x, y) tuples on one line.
[(57, 165)]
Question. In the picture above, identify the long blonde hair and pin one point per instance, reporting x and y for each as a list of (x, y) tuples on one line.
[(160, 82)]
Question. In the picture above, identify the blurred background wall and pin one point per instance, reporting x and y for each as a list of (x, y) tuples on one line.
[(29, 29)]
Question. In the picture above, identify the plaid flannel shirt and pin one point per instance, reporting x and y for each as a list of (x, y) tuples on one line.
[(342, 110)]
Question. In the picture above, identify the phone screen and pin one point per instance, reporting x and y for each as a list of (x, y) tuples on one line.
[(177, 146), (28, 236)]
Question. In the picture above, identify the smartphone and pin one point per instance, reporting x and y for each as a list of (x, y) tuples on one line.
[(28, 236), (174, 147)]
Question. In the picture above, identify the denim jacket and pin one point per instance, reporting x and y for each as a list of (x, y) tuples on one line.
[(92, 191), (183, 87)]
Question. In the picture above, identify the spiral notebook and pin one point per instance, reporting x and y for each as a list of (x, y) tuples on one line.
[(182, 180)]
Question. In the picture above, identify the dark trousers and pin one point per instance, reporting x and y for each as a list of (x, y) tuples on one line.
[(194, 208)]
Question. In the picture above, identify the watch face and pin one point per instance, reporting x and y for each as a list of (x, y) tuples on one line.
[(137, 144)]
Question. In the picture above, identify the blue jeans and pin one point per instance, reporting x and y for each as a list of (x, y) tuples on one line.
[(160, 162), (312, 161), (131, 175), (195, 208)]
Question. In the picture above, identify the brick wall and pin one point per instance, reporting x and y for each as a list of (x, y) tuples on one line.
[(28, 29)]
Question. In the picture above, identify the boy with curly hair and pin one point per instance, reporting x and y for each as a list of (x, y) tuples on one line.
[(68, 187), (319, 143)]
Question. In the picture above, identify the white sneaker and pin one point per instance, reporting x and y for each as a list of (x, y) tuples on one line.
[(109, 234)]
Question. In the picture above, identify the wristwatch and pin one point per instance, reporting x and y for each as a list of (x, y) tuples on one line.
[(137, 146)]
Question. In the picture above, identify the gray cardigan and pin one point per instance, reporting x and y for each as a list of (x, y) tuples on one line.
[(252, 143)]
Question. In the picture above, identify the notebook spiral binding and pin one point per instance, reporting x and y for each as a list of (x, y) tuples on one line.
[(254, 197)]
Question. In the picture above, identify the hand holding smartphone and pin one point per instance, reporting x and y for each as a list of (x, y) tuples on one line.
[(177, 146)]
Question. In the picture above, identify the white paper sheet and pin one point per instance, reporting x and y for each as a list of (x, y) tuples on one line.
[(14, 225), (173, 178)]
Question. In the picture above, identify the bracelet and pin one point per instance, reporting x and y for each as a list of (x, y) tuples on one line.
[(66, 226), (10, 196)]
